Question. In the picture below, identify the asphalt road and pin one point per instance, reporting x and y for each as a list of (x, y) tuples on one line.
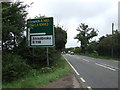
[(95, 73)]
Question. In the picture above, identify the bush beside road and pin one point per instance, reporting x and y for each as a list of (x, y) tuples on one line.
[(42, 77)]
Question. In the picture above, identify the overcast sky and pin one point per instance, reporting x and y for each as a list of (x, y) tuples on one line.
[(98, 14)]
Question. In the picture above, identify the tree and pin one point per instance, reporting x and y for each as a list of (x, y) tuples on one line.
[(13, 26), (60, 38), (109, 42), (13, 21), (92, 47), (104, 46), (85, 34), (116, 43)]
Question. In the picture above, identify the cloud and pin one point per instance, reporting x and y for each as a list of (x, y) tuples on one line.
[(99, 14), (70, 9)]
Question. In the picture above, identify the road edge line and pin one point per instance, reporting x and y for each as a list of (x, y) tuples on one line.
[(78, 76), (82, 79), (72, 67)]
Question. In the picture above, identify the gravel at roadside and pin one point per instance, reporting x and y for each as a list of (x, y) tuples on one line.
[(68, 81)]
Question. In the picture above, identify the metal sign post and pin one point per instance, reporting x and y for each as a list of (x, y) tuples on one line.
[(47, 57), (33, 55)]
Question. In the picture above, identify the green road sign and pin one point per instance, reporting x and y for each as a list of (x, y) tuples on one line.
[(40, 32)]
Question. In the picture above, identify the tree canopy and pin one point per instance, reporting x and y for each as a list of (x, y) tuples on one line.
[(13, 23), (60, 38), (109, 42), (84, 35)]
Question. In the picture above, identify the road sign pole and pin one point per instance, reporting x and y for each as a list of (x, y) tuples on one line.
[(33, 56), (47, 57)]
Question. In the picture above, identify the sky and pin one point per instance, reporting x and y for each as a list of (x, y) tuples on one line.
[(98, 14)]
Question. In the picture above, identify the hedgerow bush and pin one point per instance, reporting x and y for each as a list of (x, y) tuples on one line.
[(13, 67)]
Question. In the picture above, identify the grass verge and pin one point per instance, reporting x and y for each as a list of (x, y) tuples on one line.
[(37, 79), (101, 57)]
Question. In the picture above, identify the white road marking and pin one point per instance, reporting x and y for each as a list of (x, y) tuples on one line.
[(105, 67), (82, 79), (111, 66), (72, 67), (85, 60)]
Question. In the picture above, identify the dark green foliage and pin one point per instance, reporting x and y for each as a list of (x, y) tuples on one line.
[(85, 34), (108, 42), (13, 24), (60, 38), (33, 55), (36, 56), (77, 50), (104, 47), (13, 67), (92, 47)]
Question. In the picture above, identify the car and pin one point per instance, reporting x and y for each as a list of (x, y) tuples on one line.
[(71, 53)]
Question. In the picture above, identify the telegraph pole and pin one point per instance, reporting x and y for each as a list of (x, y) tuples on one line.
[(112, 40)]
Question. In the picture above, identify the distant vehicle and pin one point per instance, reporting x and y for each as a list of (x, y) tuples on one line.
[(71, 53)]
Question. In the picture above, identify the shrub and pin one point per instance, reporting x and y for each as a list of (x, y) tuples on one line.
[(13, 67)]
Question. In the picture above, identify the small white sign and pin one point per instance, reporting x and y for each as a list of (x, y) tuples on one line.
[(42, 40)]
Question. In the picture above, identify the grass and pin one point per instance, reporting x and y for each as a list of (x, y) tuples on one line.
[(101, 57), (37, 79)]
